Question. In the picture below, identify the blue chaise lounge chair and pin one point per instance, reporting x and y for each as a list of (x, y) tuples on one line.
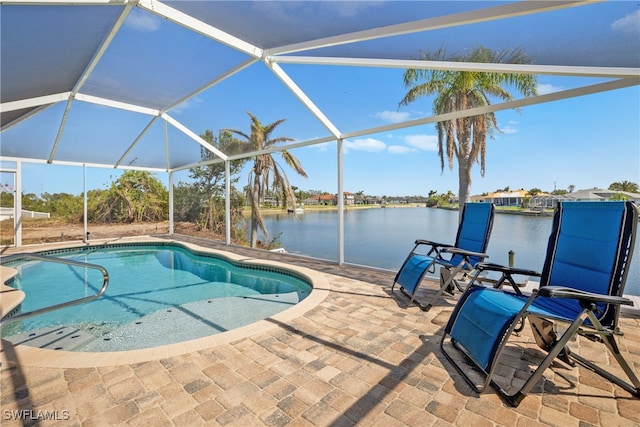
[(469, 248), (581, 288)]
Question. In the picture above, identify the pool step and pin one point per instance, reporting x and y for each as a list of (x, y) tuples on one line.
[(192, 320), (66, 338), (185, 322)]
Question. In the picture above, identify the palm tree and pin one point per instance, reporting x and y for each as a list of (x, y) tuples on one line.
[(629, 186), (465, 138), (266, 173)]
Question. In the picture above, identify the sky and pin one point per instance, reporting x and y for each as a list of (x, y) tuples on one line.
[(584, 142)]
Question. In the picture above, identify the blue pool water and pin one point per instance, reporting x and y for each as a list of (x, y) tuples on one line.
[(157, 294)]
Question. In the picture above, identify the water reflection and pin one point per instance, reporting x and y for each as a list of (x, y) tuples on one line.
[(383, 237)]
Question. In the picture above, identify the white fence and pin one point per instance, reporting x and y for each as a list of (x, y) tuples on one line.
[(7, 213)]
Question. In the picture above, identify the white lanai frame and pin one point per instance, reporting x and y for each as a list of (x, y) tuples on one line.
[(272, 58)]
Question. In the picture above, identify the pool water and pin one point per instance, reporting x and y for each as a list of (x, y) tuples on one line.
[(157, 294)]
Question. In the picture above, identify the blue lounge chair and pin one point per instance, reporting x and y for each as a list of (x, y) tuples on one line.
[(581, 287), (471, 243)]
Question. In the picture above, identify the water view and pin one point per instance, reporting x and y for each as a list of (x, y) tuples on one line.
[(382, 238)]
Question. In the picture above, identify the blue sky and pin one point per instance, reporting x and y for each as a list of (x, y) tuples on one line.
[(586, 142)]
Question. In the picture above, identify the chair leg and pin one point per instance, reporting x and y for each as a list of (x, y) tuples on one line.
[(444, 285), (558, 348), (514, 399), (411, 295), (412, 298), (610, 341)]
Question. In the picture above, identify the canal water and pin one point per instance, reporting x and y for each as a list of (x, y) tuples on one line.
[(382, 238)]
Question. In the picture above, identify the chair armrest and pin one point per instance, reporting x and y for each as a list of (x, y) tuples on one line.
[(458, 251), (563, 292), (506, 275), (431, 243), (482, 266)]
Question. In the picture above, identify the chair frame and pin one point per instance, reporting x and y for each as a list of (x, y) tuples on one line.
[(436, 252), (596, 330)]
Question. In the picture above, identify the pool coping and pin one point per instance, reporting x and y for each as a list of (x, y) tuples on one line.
[(32, 356)]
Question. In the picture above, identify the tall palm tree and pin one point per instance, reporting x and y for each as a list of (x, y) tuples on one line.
[(465, 138), (629, 186), (266, 173)]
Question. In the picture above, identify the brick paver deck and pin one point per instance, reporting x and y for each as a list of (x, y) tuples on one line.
[(360, 357)]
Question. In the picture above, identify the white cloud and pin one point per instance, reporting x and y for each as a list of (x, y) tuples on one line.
[(323, 147), (510, 128), (352, 8), (400, 149), (545, 88), (422, 142), (393, 116), (630, 23), (366, 144), (186, 105), (142, 21)]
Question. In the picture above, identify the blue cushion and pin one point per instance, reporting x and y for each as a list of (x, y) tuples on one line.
[(587, 246), (484, 316), (486, 313), (413, 270), (474, 229)]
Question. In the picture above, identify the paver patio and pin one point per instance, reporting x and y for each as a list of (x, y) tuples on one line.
[(359, 357)]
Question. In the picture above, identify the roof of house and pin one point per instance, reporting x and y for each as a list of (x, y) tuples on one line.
[(507, 194), (599, 194)]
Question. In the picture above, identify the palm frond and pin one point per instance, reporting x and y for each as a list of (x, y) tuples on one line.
[(293, 162)]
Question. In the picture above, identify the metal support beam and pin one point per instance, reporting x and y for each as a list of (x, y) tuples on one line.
[(117, 104), (550, 70), (200, 27), (135, 142), (340, 152), (182, 128), (509, 10), (17, 200), (166, 146), (508, 105), (85, 221), (213, 82), (86, 73), (37, 101), (73, 163), (227, 201), (299, 93), (171, 208)]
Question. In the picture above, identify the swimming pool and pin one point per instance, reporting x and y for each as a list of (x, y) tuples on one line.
[(158, 294)]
